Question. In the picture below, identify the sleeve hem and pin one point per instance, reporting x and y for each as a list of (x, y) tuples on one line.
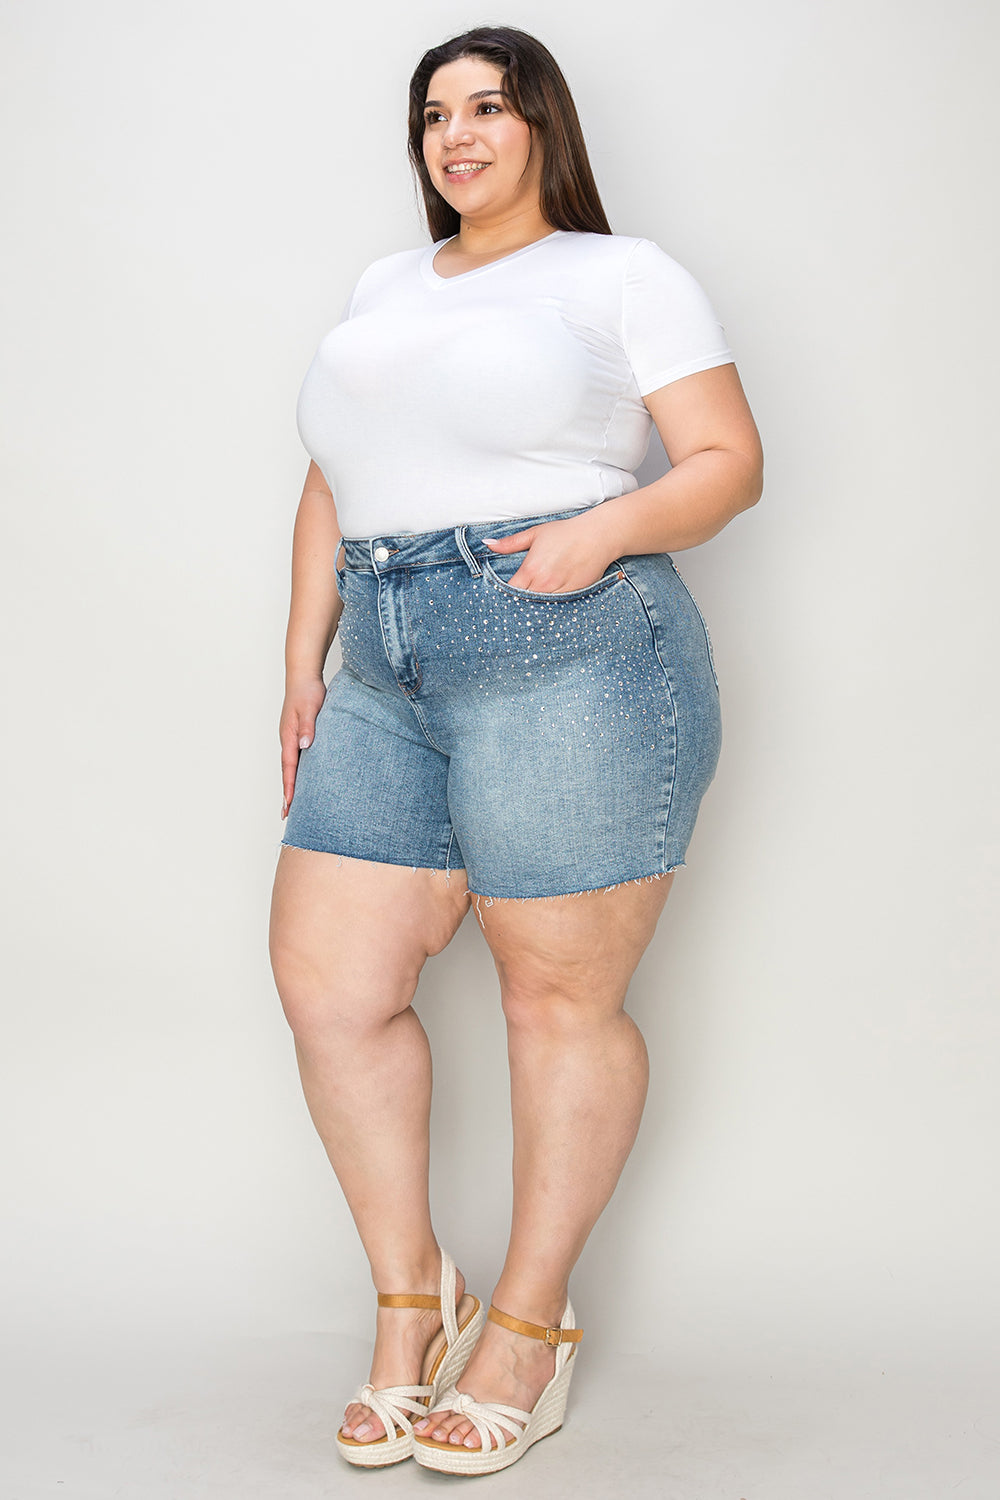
[(692, 367)]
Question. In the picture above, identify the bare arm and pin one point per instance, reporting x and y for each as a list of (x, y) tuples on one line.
[(312, 622), (714, 448), (316, 605)]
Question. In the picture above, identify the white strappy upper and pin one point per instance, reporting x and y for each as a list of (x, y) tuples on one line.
[(493, 1421), (397, 1405)]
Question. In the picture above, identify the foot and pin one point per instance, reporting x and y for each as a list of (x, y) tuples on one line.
[(402, 1336), (504, 1367)]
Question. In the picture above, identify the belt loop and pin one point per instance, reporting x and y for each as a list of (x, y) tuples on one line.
[(463, 547)]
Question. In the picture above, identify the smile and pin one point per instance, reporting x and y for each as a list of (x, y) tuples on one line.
[(465, 166)]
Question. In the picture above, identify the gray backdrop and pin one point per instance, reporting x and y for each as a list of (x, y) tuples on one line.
[(192, 191)]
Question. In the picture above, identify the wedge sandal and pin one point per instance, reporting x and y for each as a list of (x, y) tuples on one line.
[(494, 1422), (446, 1356)]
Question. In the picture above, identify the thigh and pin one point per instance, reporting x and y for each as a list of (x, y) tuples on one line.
[(349, 937), (583, 949)]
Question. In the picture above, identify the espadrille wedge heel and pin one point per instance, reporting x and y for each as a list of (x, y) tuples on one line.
[(494, 1422), (447, 1355)]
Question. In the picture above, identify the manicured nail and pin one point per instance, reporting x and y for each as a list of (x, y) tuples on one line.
[(490, 541), (419, 1426), (362, 1431), (304, 742), (471, 1441)]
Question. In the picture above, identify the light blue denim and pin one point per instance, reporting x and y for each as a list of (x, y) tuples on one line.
[(546, 743)]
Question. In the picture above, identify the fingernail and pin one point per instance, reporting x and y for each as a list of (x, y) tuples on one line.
[(362, 1431), (304, 742), (490, 541)]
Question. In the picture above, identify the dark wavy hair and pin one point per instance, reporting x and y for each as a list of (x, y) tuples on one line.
[(537, 92)]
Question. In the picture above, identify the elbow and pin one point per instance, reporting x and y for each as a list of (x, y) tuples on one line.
[(745, 478), (753, 485)]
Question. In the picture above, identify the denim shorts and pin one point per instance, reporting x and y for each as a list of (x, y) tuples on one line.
[(546, 743)]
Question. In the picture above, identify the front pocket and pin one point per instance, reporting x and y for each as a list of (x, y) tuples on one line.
[(611, 577)]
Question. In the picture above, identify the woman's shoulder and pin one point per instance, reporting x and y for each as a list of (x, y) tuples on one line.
[(399, 258), (379, 275), (643, 266), (630, 258), (586, 243), (614, 248), (396, 263)]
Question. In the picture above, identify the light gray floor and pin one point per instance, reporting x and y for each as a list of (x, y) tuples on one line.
[(255, 1418)]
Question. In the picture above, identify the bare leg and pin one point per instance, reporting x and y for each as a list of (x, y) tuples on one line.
[(579, 1075), (348, 941)]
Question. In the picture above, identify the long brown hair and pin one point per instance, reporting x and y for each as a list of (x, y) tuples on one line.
[(538, 93)]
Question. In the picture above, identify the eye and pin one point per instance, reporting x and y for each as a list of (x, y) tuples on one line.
[(489, 104), (430, 115)]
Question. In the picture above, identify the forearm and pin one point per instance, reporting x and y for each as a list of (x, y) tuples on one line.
[(684, 508), (315, 604)]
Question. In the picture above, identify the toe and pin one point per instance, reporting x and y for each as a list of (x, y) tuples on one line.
[(441, 1424), (361, 1424)]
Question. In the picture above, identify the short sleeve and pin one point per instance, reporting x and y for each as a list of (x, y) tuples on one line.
[(669, 328)]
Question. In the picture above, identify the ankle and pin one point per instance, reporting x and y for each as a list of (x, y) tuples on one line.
[(530, 1302), (406, 1270)]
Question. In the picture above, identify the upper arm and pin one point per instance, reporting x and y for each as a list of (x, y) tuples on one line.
[(315, 480), (316, 502), (705, 410)]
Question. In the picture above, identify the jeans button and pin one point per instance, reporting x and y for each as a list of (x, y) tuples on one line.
[(381, 554)]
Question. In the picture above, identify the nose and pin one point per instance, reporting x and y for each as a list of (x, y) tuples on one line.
[(457, 133)]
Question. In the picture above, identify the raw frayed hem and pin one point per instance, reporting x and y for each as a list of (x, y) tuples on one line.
[(357, 859), (479, 901)]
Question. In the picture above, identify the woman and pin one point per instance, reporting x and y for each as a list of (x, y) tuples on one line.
[(527, 704)]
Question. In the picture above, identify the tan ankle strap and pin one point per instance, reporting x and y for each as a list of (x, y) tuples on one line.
[(409, 1299), (552, 1336)]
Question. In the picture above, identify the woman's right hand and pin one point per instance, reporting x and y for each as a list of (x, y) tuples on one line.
[(303, 701)]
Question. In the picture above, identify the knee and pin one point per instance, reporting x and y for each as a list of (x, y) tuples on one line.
[(298, 990), (325, 1002), (554, 1005)]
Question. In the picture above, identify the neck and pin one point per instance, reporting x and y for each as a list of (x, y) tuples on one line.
[(502, 236)]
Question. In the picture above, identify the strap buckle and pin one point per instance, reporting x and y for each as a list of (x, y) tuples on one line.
[(553, 1337)]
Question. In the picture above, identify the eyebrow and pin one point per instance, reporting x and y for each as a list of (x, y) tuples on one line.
[(479, 94)]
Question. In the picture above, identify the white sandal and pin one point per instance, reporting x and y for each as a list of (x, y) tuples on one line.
[(447, 1354), (494, 1422)]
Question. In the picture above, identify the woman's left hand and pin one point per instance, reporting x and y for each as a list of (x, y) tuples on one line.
[(561, 555)]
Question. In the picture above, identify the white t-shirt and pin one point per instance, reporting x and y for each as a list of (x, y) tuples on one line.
[(511, 390)]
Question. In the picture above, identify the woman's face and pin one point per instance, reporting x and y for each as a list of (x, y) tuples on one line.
[(478, 153)]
